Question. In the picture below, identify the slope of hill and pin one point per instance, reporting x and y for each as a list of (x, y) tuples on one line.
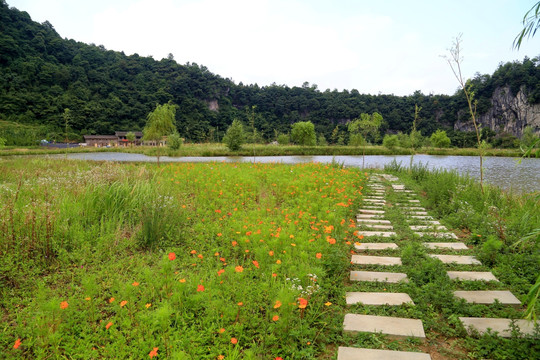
[(42, 74)]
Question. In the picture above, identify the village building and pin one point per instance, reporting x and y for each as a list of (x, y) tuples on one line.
[(118, 139)]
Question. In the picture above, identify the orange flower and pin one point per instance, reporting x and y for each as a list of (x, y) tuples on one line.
[(17, 343), (248, 233), (291, 236), (275, 318), (135, 283), (64, 305), (148, 305), (302, 303), (221, 357), (123, 303), (256, 263), (274, 275), (182, 280), (109, 324), (271, 253), (193, 252), (221, 331), (234, 243), (234, 341), (111, 300), (221, 271), (87, 298), (172, 256), (331, 240), (219, 234), (200, 288), (153, 352), (240, 303), (200, 256), (293, 245), (239, 268), (327, 303), (277, 304), (278, 262), (318, 255)]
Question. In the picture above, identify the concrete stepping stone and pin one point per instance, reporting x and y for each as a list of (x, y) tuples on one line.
[(458, 259), (374, 197), (392, 326), (398, 187), (373, 206), (416, 213), (446, 245), (411, 208), (374, 200), (377, 227), (376, 233), (375, 260), (368, 216), (371, 211), (428, 227), (421, 217), (445, 235), (375, 246), (488, 297), (349, 353), (433, 222), (378, 276), (378, 298), (471, 275), (376, 221), (501, 326)]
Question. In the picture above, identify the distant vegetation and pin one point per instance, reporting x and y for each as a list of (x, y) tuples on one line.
[(42, 74)]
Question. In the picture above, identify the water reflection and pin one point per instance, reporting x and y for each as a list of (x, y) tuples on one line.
[(501, 171)]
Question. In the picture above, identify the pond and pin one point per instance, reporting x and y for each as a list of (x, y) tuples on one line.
[(504, 172)]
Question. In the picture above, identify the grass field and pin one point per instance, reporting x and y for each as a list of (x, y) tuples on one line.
[(231, 261)]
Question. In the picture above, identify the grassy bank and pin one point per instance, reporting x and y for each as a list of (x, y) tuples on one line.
[(192, 261), (202, 150)]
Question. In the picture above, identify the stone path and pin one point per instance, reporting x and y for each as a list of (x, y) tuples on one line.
[(372, 217)]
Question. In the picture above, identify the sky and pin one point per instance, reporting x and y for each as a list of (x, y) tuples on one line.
[(376, 47)]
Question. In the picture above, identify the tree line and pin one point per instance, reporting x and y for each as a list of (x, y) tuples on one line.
[(42, 75)]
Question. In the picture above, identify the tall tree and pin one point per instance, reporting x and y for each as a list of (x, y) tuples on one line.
[(303, 133), (160, 123)]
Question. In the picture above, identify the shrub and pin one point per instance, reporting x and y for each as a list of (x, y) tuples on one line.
[(283, 139), (235, 136), (174, 141), (440, 139), (303, 133), (390, 141)]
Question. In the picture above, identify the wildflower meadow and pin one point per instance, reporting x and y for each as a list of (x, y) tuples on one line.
[(182, 261)]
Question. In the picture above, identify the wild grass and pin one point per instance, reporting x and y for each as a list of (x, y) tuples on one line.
[(189, 261)]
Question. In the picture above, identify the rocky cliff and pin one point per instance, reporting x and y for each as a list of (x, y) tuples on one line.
[(508, 113)]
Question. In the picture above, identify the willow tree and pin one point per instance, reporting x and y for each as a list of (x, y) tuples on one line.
[(159, 124), (363, 127)]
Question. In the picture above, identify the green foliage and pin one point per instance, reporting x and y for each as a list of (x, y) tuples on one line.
[(174, 141), (160, 123), (489, 250), (321, 140), (439, 139), (528, 138), (356, 140), (531, 23), (2, 142), (283, 139), (390, 141), (235, 136), (130, 136), (303, 133)]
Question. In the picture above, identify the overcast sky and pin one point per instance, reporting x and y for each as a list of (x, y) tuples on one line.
[(376, 46)]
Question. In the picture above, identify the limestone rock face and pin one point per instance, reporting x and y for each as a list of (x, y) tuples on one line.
[(508, 113)]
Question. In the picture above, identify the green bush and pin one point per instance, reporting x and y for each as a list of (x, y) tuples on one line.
[(174, 141), (439, 139), (283, 139), (390, 141), (303, 133), (235, 137)]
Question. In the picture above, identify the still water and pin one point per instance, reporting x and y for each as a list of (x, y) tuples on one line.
[(504, 172)]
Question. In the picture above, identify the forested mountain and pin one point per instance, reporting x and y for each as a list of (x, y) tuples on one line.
[(42, 74)]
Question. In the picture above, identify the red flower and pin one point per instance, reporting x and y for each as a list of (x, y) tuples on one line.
[(64, 305), (200, 288), (302, 303), (172, 256), (17, 343), (318, 255), (153, 352), (109, 324), (256, 263), (275, 318), (234, 341)]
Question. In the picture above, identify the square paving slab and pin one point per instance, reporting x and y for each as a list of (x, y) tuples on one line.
[(446, 245), (375, 260), (471, 275), (371, 211), (488, 297), (375, 221), (458, 259), (349, 353), (378, 298), (376, 233), (428, 227), (501, 326), (377, 227), (374, 276), (393, 326), (444, 235), (375, 246)]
